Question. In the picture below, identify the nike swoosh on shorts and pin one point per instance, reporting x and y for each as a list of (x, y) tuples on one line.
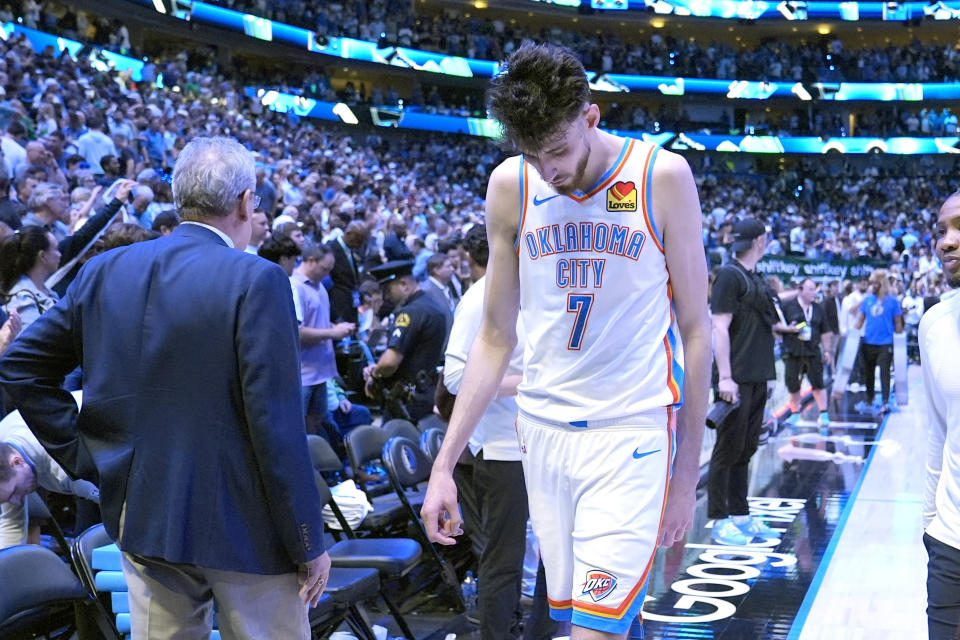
[(638, 455)]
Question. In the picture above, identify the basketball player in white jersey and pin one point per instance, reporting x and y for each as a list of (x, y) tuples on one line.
[(596, 239)]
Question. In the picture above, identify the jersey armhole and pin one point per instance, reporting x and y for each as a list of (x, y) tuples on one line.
[(648, 196), (524, 186)]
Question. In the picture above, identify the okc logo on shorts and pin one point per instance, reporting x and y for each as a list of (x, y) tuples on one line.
[(599, 584), (622, 196)]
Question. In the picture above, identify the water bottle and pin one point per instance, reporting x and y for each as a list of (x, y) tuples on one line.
[(469, 588)]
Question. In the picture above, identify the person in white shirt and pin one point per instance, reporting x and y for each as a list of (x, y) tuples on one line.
[(850, 308), (497, 472), (24, 466), (939, 329), (95, 144)]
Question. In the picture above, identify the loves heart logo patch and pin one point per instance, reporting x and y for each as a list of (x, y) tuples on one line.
[(622, 196)]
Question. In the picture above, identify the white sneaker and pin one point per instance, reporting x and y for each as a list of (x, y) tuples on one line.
[(725, 532), (756, 528)]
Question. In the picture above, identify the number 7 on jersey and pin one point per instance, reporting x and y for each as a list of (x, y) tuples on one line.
[(579, 304)]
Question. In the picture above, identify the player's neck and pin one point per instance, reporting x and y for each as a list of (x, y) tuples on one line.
[(605, 148)]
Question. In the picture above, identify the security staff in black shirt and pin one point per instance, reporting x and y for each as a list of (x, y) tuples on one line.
[(807, 327), (743, 318), (407, 371)]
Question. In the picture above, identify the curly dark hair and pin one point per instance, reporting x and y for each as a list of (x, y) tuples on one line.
[(475, 243), (541, 88)]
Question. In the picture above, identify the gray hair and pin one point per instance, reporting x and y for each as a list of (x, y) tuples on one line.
[(143, 191), (43, 193), (210, 174)]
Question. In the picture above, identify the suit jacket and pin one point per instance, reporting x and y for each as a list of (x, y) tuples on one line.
[(191, 412), (346, 281), (437, 296), (395, 249)]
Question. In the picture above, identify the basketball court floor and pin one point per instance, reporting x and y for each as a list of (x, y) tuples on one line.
[(849, 563)]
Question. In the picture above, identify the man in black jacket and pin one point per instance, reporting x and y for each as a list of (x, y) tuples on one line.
[(347, 271)]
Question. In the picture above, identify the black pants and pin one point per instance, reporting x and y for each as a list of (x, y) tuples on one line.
[(502, 498), (873, 355), (943, 589), (737, 440)]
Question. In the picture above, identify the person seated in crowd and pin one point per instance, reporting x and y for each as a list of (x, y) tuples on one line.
[(27, 259), (48, 208), (26, 466), (343, 413)]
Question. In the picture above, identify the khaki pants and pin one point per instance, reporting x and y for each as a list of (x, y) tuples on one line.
[(175, 602)]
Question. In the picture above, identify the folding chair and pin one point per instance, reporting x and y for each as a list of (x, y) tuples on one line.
[(407, 467), (393, 558), (430, 441), (42, 597), (432, 421), (364, 446), (401, 427)]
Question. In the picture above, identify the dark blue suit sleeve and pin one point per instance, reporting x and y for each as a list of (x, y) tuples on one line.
[(268, 353), (32, 372)]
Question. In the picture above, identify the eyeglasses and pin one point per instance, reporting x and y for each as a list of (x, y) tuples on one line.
[(256, 199)]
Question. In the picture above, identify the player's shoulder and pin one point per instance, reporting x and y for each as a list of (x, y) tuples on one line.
[(668, 165), (506, 175), (935, 315)]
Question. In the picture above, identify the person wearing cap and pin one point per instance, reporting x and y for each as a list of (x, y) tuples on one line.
[(417, 338), (743, 318)]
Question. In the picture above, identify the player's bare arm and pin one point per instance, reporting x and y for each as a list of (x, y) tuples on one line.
[(489, 355), (676, 208), (721, 352)]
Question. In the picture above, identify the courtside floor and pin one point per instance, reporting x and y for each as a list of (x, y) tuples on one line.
[(849, 564)]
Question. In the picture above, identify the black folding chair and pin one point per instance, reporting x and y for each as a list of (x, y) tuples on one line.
[(42, 597), (407, 467), (393, 558), (365, 446), (401, 427), (430, 441), (432, 421)]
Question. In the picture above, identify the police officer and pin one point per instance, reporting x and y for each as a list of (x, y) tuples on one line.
[(416, 343)]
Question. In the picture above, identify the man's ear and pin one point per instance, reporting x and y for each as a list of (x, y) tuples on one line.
[(592, 116), (242, 214)]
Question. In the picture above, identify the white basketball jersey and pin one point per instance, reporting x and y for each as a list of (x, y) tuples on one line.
[(602, 342)]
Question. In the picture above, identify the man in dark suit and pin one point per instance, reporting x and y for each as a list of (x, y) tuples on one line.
[(347, 270), (191, 423), (394, 247)]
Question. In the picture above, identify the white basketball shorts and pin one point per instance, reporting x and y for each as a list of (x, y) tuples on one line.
[(596, 501)]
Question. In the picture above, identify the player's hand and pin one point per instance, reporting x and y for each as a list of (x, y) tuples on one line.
[(729, 390), (678, 513), (345, 406), (440, 512), (313, 578)]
